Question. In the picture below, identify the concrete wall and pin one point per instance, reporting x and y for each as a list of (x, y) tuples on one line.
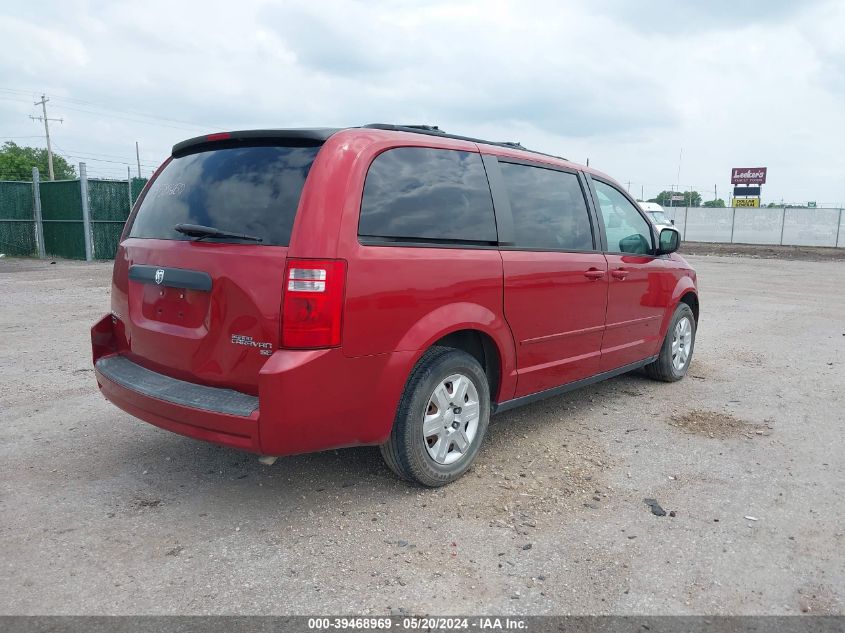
[(811, 227), (708, 225), (794, 227), (757, 226)]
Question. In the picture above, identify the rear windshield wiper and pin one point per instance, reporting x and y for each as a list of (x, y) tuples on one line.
[(199, 232)]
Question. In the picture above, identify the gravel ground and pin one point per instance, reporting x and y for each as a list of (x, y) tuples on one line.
[(806, 253), (103, 514)]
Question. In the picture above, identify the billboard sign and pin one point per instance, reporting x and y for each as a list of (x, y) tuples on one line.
[(748, 176), (746, 202), (747, 191), (676, 197)]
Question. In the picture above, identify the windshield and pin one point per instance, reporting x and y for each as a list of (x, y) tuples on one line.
[(246, 190), (659, 217)]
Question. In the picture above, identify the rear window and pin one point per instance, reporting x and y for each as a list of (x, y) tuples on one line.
[(248, 190), (417, 193), (549, 210)]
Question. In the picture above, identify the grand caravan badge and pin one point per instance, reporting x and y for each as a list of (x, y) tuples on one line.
[(265, 349)]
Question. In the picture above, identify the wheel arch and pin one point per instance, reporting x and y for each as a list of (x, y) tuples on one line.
[(690, 297), (684, 292), (475, 329), (483, 348)]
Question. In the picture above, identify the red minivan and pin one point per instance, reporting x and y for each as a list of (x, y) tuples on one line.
[(288, 291)]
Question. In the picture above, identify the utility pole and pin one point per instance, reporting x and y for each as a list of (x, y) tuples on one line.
[(138, 158), (629, 186), (43, 104), (680, 158)]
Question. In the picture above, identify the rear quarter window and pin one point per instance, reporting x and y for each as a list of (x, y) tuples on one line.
[(248, 190), (416, 193)]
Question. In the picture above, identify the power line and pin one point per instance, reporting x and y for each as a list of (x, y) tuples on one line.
[(137, 120), (32, 93), (135, 113), (15, 100), (140, 114), (97, 160), (124, 160)]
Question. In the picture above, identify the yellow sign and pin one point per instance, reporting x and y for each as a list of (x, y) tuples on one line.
[(746, 202)]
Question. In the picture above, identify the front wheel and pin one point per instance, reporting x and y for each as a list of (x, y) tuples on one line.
[(676, 352), (441, 420)]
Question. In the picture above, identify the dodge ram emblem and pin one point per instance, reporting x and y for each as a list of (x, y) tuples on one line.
[(159, 275)]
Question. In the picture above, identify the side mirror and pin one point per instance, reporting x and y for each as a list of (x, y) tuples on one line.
[(673, 222), (669, 241), (635, 244)]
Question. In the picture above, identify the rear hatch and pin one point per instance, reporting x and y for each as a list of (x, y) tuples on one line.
[(202, 303)]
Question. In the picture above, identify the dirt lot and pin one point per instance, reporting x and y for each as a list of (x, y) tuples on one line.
[(103, 514), (806, 253)]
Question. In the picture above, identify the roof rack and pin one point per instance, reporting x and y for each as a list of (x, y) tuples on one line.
[(433, 130)]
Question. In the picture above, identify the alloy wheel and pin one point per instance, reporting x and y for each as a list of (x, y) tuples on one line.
[(450, 421), (681, 343)]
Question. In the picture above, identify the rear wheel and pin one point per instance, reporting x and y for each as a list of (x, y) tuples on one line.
[(441, 420), (676, 352)]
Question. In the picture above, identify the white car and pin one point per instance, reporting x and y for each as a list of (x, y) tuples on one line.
[(656, 214)]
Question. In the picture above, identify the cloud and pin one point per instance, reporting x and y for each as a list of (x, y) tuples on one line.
[(33, 49), (337, 44), (686, 16), (625, 84)]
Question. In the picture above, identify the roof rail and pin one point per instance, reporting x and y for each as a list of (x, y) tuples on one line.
[(428, 128), (433, 130)]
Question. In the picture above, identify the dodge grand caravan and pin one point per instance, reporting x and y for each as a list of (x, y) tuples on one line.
[(287, 291)]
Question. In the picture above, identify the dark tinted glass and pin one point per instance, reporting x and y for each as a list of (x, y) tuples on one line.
[(415, 192), (548, 208), (248, 190)]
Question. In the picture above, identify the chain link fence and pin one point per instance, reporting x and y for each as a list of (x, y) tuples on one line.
[(50, 218), (17, 222)]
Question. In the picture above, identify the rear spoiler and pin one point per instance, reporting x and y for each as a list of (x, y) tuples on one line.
[(297, 137)]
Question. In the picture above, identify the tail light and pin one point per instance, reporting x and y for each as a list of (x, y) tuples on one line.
[(312, 309)]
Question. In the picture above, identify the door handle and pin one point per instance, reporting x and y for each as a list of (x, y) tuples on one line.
[(594, 273), (619, 273)]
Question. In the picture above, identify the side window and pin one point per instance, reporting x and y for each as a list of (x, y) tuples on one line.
[(627, 231), (549, 210), (427, 194)]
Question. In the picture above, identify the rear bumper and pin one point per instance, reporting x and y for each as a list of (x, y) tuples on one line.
[(308, 400), (210, 426)]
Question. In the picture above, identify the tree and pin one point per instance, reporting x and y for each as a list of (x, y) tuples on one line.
[(718, 203), (16, 163), (691, 199)]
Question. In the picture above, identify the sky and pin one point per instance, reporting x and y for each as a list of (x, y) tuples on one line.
[(655, 93)]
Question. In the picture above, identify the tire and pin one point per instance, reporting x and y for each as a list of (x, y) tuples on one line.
[(443, 375), (666, 367)]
